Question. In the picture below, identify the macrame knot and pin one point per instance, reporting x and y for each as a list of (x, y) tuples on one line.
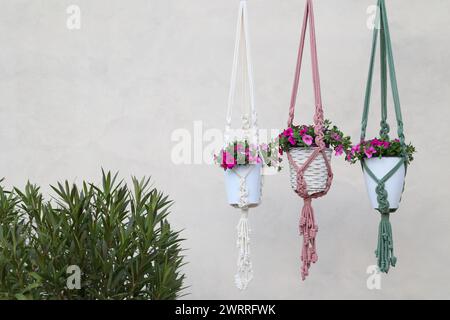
[(301, 184), (384, 130), (382, 197), (245, 122), (243, 199), (308, 229)]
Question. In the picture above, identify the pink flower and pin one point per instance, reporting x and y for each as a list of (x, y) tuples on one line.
[(307, 139), (288, 132), (396, 140), (386, 144), (292, 141), (303, 131), (336, 136), (369, 152), (355, 149), (349, 157), (376, 143), (228, 160), (339, 150)]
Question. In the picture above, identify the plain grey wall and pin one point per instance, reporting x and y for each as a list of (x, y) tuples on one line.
[(111, 94)]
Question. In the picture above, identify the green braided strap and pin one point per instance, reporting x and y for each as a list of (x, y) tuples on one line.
[(385, 248)]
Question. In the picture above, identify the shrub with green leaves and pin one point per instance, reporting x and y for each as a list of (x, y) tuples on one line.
[(118, 236)]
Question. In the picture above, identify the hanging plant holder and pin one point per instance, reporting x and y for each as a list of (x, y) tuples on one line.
[(243, 181), (310, 170), (384, 176)]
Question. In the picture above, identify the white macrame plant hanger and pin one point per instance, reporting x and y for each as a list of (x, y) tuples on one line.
[(249, 132)]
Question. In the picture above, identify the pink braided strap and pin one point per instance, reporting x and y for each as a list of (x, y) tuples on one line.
[(308, 227), (318, 116)]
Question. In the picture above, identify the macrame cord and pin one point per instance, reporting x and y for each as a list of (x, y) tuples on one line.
[(385, 248), (307, 226), (249, 132)]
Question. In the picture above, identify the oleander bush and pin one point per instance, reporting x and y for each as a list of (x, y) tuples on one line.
[(117, 235)]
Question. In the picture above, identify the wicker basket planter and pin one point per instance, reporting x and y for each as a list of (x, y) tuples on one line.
[(316, 174), (393, 186)]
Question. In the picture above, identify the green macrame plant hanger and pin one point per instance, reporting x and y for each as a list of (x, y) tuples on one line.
[(385, 249)]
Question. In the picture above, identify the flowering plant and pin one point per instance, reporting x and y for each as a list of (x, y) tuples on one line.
[(303, 136), (244, 153), (379, 148)]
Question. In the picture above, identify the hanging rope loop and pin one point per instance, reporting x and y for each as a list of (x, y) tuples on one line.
[(242, 55)]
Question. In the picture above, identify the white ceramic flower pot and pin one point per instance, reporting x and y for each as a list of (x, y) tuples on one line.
[(394, 186), (252, 196)]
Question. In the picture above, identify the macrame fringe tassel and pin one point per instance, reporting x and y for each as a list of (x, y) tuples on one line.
[(245, 269), (308, 229), (385, 249)]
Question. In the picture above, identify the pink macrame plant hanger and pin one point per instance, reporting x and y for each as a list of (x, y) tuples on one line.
[(308, 226)]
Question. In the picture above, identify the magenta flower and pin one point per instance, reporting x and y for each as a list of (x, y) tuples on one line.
[(369, 152), (339, 150), (349, 157), (292, 141), (307, 139), (228, 160), (336, 136), (386, 144), (377, 143), (355, 149), (288, 132), (303, 131)]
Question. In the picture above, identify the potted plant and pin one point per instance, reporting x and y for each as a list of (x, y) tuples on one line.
[(300, 142), (379, 156), (242, 163)]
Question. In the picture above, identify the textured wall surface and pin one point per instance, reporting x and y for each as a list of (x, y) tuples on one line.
[(111, 94)]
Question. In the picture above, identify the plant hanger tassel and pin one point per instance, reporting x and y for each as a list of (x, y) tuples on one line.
[(249, 132), (385, 248), (308, 227)]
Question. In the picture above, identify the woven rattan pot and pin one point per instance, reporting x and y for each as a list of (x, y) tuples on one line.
[(316, 174)]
